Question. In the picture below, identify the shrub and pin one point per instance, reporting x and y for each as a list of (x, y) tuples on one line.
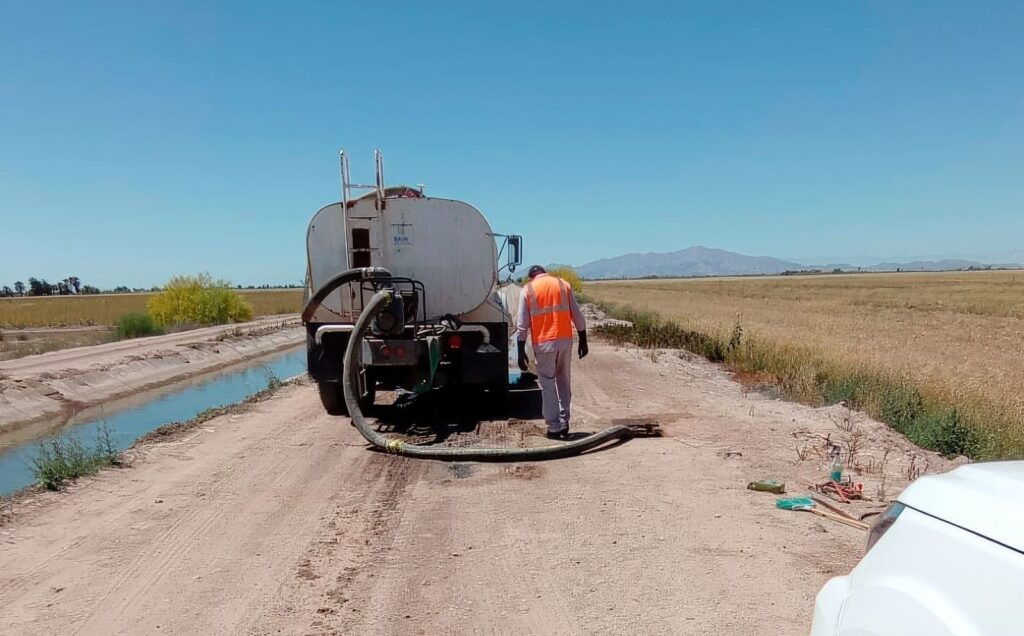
[(63, 458), (198, 299), (136, 324), (570, 276)]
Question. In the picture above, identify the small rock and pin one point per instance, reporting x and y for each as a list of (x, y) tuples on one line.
[(159, 501)]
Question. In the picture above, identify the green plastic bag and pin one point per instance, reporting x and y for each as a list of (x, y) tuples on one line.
[(795, 503)]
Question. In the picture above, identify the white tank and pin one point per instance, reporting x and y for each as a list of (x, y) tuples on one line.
[(445, 244)]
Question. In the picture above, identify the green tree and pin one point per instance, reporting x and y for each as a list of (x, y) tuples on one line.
[(39, 287)]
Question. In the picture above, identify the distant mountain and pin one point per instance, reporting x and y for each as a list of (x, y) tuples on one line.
[(693, 261), (704, 261)]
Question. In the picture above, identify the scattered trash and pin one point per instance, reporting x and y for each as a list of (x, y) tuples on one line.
[(843, 492), (806, 504), (795, 503), (768, 485)]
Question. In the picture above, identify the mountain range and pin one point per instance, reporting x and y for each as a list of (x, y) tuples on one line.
[(705, 261)]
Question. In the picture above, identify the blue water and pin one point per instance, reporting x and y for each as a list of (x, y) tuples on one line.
[(128, 424)]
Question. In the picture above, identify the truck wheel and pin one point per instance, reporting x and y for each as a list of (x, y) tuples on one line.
[(332, 396)]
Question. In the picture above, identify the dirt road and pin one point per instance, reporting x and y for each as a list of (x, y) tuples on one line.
[(279, 520)]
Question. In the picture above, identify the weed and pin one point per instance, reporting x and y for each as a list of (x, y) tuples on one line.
[(845, 423), (854, 444), (274, 381), (736, 338), (802, 452), (954, 437), (912, 470), (61, 459), (881, 491), (136, 324)]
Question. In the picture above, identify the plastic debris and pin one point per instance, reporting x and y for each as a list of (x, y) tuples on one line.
[(795, 503), (768, 485)]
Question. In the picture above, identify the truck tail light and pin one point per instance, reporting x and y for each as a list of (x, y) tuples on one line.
[(385, 351), (883, 523), (455, 342), (400, 352)]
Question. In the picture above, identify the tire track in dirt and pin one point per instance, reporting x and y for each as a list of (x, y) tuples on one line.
[(330, 581), (189, 527)]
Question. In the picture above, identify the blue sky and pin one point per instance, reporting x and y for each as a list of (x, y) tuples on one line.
[(143, 139)]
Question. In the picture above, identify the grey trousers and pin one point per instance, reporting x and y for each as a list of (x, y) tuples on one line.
[(553, 371)]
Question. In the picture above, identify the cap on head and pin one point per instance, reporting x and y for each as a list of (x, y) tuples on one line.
[(536, 269)]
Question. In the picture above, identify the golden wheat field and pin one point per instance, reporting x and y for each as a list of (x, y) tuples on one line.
[(105, 309), (950, 332)]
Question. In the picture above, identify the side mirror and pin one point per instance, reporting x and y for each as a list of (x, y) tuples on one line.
[(515, 252)]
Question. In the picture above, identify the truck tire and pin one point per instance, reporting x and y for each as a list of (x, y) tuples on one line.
[(332, 396)]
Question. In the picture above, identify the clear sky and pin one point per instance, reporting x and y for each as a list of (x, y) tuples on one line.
[(143, 139)]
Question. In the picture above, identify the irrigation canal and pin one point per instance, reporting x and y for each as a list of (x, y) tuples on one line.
[(126, 422)]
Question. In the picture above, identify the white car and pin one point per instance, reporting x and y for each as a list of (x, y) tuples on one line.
[(946, 558)]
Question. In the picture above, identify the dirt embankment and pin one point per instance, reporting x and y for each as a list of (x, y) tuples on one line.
[(278, 519), (45, 386)]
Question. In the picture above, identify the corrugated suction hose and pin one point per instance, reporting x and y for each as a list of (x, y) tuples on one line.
[(398, 447)]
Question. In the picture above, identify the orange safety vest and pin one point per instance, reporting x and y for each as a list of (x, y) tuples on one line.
[(547, 301)]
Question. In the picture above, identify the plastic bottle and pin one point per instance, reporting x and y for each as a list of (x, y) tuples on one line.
[(836, 468)]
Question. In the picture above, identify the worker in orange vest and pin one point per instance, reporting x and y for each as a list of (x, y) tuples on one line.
[(548, 310)]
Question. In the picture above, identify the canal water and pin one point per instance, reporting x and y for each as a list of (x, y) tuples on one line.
[(127, 423)]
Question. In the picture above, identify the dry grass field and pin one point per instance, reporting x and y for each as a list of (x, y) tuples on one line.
[(957, 338), (105, 309)]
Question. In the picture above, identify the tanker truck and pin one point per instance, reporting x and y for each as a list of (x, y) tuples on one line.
[(448, 322)]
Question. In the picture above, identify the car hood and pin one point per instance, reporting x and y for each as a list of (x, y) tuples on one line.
[(985, 498)]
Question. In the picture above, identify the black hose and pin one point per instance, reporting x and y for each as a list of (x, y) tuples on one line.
[(398, 447), (347, 276)]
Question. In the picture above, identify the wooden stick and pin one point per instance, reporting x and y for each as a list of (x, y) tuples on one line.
[(833, 508), (853, 523)]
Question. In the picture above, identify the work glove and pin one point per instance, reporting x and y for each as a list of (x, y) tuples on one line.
[(523, 362), (583, 349)]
